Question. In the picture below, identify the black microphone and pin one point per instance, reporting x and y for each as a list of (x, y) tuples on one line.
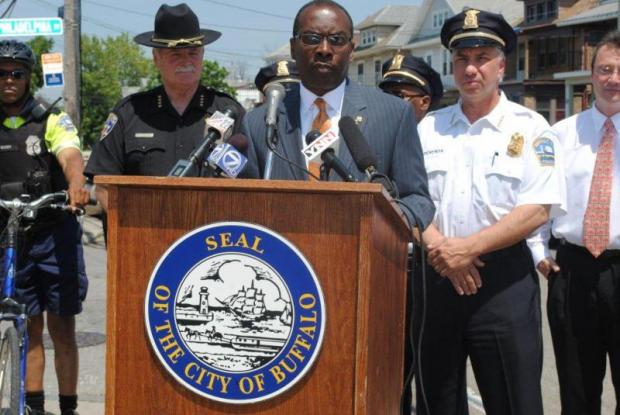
[(274, 94), (316, 142), (217, 127), (362, 154)]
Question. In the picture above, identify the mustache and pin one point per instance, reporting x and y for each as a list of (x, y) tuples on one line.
[(185, 69)]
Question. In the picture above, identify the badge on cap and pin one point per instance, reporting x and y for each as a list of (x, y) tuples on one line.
[(397, 62), (515, 147), (471, 19), (358, 120), (282, 69), (545, 151)]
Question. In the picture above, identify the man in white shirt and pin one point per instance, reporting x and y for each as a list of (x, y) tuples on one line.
[(494, 176), (584, 297)]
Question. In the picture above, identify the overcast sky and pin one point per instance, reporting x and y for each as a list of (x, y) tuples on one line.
[(249, 29)]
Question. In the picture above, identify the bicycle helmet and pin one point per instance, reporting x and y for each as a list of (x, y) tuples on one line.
[(17, 51)]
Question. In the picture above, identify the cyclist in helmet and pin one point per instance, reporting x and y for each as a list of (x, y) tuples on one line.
[(40, 152)]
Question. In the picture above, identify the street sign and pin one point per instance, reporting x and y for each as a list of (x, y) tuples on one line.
[(37, 26), (51, 64)]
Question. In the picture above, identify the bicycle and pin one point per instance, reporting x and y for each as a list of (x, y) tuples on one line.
[(14, 338)]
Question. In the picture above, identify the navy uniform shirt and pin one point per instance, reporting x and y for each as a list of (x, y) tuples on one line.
[(144, 135)]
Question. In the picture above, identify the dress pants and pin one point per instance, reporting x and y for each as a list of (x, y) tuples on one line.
[(499, 328), (583, 306)]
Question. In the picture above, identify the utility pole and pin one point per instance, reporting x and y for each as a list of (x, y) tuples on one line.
[(73, 30)]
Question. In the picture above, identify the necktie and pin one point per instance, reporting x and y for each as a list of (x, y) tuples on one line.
[(322, 123), (596, 218)]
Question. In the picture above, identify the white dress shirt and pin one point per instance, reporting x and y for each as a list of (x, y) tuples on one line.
[(474, 180), (580, 136), (308, 111)]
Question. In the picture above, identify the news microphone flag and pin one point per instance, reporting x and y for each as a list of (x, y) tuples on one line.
[(228, 159)]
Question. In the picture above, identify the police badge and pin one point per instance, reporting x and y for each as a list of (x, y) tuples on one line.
[(515, 147)]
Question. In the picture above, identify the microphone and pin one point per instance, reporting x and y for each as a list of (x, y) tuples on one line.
[(323, 146), (218, 127), (274, 94), (362, 154), (227, 158)]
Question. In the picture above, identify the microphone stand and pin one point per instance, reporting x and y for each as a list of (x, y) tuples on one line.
[(183, 167), (272, 141)]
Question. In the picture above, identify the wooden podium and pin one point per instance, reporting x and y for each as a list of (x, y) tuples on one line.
[(352, 235)]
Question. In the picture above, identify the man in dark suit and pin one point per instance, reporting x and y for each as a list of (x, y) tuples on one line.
[(322, 45)]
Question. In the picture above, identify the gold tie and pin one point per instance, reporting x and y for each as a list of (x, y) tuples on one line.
[(322, 123)]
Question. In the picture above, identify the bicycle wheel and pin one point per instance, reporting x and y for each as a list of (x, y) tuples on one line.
[(10, 383)]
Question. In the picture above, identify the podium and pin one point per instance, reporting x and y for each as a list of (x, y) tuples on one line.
[(351, 234)]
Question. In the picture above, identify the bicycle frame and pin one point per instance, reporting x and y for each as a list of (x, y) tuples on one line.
[(10, 309)]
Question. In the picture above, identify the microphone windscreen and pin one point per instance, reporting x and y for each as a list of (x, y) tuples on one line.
[(312, 135), (239, 141), (361, 151)]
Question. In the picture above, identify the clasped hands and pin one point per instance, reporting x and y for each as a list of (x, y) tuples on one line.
[(455, 259)]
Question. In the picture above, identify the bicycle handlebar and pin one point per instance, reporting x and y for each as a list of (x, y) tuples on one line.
[(55, 200)]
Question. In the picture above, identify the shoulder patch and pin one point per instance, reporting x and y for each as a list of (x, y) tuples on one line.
[(65, 122), (108, 125), (545, 151)]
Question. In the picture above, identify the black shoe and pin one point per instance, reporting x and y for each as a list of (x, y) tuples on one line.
[(29, 411), (69, 412)]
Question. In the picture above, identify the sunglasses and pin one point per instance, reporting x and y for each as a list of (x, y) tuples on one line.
[(402, 95), (315, 39), (16, 74)]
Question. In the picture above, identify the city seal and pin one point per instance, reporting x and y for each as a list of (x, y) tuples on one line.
[(235, 313)]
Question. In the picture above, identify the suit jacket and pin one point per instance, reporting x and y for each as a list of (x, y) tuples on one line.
[(387, 123)]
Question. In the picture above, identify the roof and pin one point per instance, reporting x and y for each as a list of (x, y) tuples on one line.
[(393, 15), (599, 13)]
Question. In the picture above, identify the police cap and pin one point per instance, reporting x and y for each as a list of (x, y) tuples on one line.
[(405, 68), (282, 72), (474, 28)]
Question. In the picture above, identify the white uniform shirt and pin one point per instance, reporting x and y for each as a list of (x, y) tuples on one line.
[(580, 136), (472, 178)]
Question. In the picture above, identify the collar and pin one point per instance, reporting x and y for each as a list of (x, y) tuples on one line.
[(495, 117), (333, 98), (598, 120)]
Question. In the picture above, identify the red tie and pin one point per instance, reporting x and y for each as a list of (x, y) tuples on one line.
[(596, 218), (322, 123)]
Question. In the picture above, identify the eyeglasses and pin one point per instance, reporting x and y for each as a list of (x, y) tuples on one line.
[(315, 39), (16, 74), (402, 95), (606, 70)]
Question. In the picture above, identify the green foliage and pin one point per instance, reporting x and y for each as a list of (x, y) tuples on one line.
[(39, 46), (107, 65)]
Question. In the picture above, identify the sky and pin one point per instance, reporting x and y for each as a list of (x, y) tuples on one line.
[(250, 29)]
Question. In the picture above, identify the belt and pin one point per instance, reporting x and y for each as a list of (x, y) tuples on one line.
[(608, 254)]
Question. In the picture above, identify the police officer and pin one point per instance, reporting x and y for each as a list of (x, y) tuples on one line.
[(495, 176), (410, 78), (40, 153), (148, 132), (283, 72)]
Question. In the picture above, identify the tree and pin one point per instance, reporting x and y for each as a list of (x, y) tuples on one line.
[(107, 65), (39, 46)]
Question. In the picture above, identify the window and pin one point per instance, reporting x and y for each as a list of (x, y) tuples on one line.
[(369, 37), (439, 18), (540, 11), (377, 72), (360, 72), (447, 64), (521, 60)]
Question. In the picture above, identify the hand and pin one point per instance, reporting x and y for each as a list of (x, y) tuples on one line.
[(78, 195), (467, 281), (452, 255), (547, 265)]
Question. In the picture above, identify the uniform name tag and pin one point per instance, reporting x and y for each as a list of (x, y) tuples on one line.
[(8, 147), (144, 135)]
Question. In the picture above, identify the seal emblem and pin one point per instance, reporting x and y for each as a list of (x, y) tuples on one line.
[(235, 313)]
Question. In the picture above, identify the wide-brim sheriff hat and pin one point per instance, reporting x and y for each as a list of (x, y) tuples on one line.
[(405, 68), (474, 28), (176, 27)]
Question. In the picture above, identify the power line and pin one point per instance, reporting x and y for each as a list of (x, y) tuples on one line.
[(248, 10), (150, 16)]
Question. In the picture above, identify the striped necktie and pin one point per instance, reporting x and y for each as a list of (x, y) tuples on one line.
[(321, 123)]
